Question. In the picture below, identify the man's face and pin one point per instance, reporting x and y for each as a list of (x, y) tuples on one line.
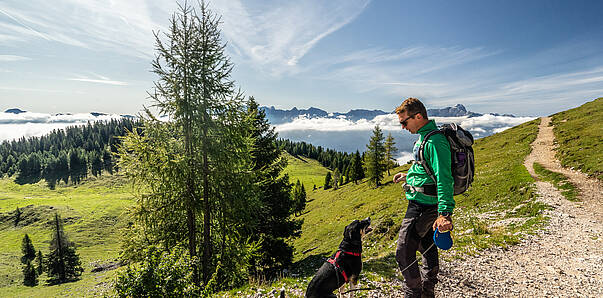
[(410, 121)]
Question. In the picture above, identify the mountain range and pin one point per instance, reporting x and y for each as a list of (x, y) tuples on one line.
[(277, 116)]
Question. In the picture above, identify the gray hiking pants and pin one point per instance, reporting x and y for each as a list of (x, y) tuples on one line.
[(416, 234)]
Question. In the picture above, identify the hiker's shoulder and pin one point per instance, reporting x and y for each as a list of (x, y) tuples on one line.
[(437, 137)]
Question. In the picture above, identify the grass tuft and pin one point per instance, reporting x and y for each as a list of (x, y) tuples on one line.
[(568, 190)]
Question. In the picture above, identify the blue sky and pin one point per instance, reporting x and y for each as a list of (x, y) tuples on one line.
[(522, 57)]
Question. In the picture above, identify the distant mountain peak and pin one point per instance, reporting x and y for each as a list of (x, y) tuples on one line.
[(14, 111), (460, 107), (277, 116)]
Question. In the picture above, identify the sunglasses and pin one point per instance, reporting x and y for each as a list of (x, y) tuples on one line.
[(403, 122)]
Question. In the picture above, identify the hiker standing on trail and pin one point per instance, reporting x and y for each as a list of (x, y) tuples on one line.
[(430, 203)]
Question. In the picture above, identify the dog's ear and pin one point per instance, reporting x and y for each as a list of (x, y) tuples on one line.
[(349, 229)]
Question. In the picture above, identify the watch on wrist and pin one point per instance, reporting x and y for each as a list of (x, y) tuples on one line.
[(446, 214)]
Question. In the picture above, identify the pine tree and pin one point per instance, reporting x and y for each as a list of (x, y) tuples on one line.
[(303, 198), (40, 261), (375, 156), (196, 169), (17, 216), (273, 221), (336, 177), (390, 150), (30, 276), (62, 262), (28, 250), (96, 163), (327, 181), (356, 172), (299, 197)]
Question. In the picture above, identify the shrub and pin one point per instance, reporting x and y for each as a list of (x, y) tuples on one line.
[(160, 274)]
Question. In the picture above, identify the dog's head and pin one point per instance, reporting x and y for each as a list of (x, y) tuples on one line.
[(357, 229)]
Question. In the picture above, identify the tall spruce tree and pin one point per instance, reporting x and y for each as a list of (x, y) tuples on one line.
[(28, 250), (327, 181), (357, 171), (336, 176), (17, 216), (390, 150), (273, 220), (62, 262), (375, 154), (40, 261), (30, 276), (194, 177), (299, 195)]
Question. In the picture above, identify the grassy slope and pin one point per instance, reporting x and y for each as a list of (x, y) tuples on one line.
[(93, 214), (309, 171), (495, 211), (579, 133)]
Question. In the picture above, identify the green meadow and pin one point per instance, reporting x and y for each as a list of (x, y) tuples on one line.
[(93, 213), (578, 133), (498, 210), (309, 171)]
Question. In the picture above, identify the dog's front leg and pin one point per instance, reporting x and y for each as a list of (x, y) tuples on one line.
[(353, 282)]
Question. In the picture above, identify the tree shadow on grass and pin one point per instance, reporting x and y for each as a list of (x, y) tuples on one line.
[(308, 266), (387, 183), (56, 282), (300, 159), (385, 266), (29, 179)]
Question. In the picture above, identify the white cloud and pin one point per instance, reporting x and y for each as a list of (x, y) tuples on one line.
[(9, 58), (275, 35), (30, 117), (271, 35), (30, 124), (485, 124), (404, 157), (403, 71), (100, 80), (120, 26)]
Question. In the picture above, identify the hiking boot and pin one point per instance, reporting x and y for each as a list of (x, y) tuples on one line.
[(412, 292), (428, 293)]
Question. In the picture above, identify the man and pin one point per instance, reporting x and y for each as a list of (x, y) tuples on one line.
[(430, 203)]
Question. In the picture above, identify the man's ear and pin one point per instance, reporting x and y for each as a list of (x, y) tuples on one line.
[(419, 116)]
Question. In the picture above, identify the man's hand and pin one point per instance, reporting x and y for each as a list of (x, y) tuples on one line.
[(443, 224), (399, 177)]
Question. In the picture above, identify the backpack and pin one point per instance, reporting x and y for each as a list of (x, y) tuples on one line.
[(463, 164)]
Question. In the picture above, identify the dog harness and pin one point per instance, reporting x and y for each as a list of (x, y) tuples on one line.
[(334, 262)]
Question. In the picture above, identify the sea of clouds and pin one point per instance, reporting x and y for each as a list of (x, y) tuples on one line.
[(346, 135), (29, 124), (336, 133)]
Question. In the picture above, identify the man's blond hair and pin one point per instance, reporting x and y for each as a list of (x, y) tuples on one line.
[(412, 106)]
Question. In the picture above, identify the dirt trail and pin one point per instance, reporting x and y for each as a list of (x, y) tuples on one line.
[(563, 259), (591, 190)]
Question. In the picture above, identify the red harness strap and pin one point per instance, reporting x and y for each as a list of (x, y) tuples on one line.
[(337, 268)]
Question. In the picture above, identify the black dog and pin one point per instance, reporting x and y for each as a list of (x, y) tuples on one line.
[(344, 265)]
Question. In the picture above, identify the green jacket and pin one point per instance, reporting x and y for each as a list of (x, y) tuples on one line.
[(438, 156)]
